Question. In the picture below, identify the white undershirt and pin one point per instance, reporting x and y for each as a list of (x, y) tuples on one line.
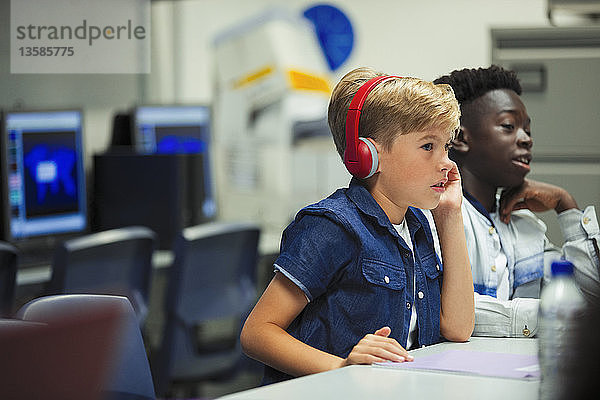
[(404, 233)]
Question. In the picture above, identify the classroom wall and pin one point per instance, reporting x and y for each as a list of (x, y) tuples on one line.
[(425, 38)]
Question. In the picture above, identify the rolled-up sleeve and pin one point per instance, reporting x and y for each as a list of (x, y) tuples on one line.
[(581, 233), (513, 318), (314, 248)]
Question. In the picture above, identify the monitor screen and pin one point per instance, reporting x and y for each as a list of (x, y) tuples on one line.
[(43, 170), (171, 129)]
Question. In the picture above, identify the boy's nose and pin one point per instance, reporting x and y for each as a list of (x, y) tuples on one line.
[(446, 164), (524, 140)]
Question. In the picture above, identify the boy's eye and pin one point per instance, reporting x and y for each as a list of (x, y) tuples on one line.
[(509, 127), (427, 147)]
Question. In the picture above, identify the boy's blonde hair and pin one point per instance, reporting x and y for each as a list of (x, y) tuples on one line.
[(394, 107)]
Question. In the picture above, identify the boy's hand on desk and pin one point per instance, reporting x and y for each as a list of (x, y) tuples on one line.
[(535, 196), (377, 347)]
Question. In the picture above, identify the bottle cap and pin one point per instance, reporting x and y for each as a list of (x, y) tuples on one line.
[(562, 267)]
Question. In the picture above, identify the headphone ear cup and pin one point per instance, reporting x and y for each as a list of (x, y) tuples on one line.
[(367, 157)]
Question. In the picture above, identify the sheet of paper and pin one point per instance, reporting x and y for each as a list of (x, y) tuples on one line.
[(503, 365)]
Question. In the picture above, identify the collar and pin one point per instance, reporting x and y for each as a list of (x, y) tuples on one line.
[(478, 206), (364, 201)]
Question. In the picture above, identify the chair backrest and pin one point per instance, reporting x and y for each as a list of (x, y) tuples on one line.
[(212, 286), (116, 261), (67, 360), (129, 374), (8, 273)]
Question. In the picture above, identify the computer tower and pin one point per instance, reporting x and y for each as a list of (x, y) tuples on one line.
[(165, 192)]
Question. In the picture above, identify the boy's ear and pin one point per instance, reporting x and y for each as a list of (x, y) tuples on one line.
[(460, 143)]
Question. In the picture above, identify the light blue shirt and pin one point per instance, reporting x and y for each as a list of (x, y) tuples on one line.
[(529, 255)]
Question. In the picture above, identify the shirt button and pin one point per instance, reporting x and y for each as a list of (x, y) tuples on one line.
[(492, 230), (437, 267), (586, 220), (526, 332), (422, 345), (386, 279), (421, 295), (493, 268), (408, 306)]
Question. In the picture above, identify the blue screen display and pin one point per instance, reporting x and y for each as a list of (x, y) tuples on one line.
[(172, 129), (46, 180)]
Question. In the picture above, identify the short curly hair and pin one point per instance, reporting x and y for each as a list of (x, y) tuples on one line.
[(470, 84)]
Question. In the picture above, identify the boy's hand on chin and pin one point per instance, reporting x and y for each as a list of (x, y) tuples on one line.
[(535, 196), (451, 199)]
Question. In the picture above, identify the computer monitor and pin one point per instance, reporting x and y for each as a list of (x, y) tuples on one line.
[(183, 129), (43, 179)]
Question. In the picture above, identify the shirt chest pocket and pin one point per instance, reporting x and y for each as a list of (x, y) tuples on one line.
[(383, 274), (431, 267)]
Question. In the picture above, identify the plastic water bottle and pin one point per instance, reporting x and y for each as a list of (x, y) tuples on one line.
[(561, 303)]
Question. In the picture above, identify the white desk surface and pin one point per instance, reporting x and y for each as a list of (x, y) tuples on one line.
[(368, 382)]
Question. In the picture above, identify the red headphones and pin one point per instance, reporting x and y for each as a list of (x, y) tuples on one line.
[(360, 156)]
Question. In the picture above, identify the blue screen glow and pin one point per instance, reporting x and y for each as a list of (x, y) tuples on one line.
[(46, 181)]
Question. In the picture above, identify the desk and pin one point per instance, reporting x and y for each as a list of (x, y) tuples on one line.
[(359, 382)]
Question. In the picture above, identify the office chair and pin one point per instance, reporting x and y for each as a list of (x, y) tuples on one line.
[(211, 289), (129, 376), (116, 261), (67, 360), (8, 273)]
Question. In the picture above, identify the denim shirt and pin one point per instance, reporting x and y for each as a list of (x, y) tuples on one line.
[(357, 273)]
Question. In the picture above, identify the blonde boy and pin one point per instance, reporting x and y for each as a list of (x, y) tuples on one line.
[(357, 280)]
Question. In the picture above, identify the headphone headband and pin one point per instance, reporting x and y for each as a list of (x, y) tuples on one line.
[(353, 116)]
